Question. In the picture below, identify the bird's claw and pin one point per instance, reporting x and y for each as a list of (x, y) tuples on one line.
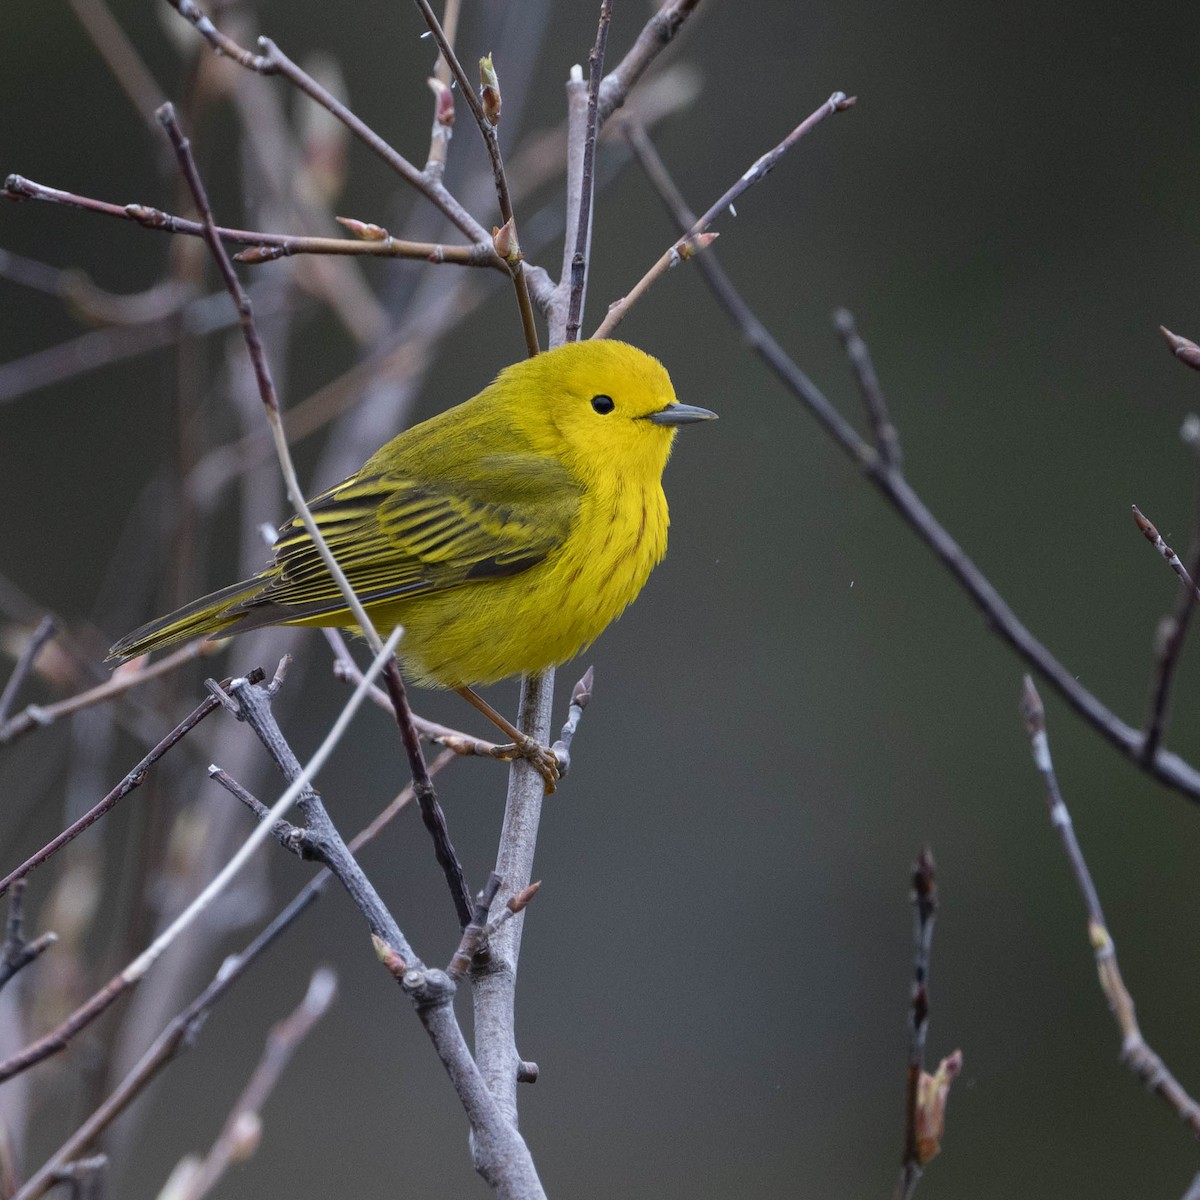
[(542, 759)]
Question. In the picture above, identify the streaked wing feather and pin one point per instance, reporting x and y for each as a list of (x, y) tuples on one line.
[(399, 537)]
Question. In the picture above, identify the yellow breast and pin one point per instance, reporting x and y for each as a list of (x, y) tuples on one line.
[(484, 632)]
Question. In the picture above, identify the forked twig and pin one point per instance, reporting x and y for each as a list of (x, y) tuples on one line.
[(17, 952), (134, 779), (38, 716), (135, 971), (181, 1033), (431, 811), (1165, 766)]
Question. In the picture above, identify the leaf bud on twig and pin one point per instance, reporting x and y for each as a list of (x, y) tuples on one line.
[(931, 1106), (363, 229), (504, 241), (443, 106), (489, 90)]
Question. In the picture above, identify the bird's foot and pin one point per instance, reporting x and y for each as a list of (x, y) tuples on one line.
[(542, 759)]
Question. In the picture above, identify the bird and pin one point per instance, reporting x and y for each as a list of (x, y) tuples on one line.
[(504, 534)]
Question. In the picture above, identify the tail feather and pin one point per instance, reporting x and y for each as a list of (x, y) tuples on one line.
[(214, 613)]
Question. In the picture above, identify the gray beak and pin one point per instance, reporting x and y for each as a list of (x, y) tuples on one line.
[(680, 414)]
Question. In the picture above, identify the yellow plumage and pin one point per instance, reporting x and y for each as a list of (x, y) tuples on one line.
[(503, 534)]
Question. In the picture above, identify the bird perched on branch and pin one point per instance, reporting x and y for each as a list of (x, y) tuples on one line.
[(504, 534)]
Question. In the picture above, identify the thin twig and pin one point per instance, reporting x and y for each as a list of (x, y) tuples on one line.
[(291, 837), (924, 897), (1183, 348), (475, 936), (242, 1127), (273, 61), (1168, 646), (432, 815), (583, 229), (37, 639), (696, 239), (488, 132), (443, 102), (581, 695), (372, 240), (656, 35), (136, 970), (1135, 1053), (319, 838), (1151, 534), (16, 951), (134, 779), (887, 437), (765, 164), (473, 932), (431, 812), (262, 372), (463, 744), (681, 251), (38, 716), (1166, 767), (181, 1033)]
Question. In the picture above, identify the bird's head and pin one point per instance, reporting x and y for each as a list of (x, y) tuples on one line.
[(599, 404)]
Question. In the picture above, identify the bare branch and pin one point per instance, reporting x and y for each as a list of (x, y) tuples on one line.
[(124, 679), (241, 1130), (273, 61), (1168, 649), (37, 639), (887, 437), (581, 695), (1167, 767), (924, 898), (16, 952), (696, 239), (134, 779), (487, 129), (1135, 1053), (1151, 534), (657, 34), (181, 1033), (681, 251), (583, 229), (373, 240)]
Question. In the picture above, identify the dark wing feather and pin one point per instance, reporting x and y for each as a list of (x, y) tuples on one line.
[(397, 537)]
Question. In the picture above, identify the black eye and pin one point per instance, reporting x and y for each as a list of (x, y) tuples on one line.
[(603, 404)]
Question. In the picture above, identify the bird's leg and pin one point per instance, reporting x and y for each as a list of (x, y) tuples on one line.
[(544, 760)]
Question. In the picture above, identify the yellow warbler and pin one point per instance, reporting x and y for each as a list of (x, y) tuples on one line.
[(503, 534)]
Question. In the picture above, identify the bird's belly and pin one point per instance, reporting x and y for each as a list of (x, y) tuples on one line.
[(483, 632)]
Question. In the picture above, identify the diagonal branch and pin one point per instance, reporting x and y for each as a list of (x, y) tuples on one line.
[(1165, 766), (134, 779), (656, 35), (1135, 1053), (273, 61)]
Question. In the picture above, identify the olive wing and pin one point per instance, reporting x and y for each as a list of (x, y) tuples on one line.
[(398, 537)]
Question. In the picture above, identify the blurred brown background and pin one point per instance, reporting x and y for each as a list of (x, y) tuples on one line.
[(715, 976)]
